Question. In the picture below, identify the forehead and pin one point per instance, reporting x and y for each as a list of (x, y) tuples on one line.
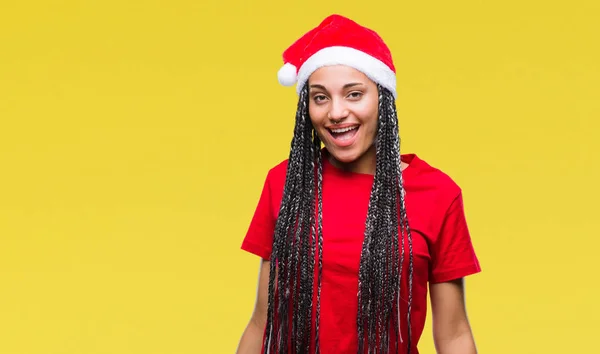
[(336, 76)]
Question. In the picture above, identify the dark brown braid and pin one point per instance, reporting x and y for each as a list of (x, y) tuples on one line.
[(298, 243)]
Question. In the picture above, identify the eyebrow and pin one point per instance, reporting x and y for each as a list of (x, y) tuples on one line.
[(346, 86)]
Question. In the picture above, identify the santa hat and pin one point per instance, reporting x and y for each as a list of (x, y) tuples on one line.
[(338, 40)]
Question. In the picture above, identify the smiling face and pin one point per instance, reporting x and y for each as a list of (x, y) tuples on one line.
[(343, 108)]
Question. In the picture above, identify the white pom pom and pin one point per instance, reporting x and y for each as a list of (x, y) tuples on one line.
[(287, 75)]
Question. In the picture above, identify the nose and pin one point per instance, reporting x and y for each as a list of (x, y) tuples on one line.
[(338, 110)]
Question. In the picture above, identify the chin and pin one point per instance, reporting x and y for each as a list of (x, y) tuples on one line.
[(344, 156)]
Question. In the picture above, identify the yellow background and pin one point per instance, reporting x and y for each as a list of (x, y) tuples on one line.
[(135, 137)]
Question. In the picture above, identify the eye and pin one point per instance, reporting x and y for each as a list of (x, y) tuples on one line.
[(319, 98), (355, 95)]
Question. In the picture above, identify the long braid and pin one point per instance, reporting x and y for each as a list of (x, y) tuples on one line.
[(286, 256), (390, 227), (307, 270), (405, 225), (319, 238), (366, 285), (298, 239), (391, 222), (380, 281)]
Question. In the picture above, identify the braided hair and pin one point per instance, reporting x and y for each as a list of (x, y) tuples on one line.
[(298, 243)]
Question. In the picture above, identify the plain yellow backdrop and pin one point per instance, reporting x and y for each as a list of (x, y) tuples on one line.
[(135, 137)]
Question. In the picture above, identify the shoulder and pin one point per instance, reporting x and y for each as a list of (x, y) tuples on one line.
[(275, 178), (278, 171), (427, 177)]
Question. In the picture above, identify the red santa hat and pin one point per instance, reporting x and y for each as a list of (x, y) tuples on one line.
[(338, 41)]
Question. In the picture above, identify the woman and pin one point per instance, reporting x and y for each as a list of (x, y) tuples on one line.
[(352, 233)]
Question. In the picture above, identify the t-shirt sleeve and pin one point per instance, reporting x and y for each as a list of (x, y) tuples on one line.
[(453, 255), (259, 237)]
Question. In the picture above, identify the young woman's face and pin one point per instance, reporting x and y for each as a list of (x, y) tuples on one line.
[(343, 108)]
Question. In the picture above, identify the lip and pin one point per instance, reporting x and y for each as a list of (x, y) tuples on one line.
[(344, 143), (342, 126)]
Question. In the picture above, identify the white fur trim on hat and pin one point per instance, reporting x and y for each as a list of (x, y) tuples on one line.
[(372, 67)]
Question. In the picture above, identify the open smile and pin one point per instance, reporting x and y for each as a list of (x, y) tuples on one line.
[(344, 135)]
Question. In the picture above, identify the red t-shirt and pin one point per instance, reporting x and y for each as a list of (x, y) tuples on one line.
[(442, 248)]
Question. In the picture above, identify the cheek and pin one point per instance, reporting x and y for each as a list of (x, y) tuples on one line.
[(369, 118), (371, 131), (316, 115)]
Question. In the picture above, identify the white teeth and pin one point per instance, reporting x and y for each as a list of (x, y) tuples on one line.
[(343, 130)]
